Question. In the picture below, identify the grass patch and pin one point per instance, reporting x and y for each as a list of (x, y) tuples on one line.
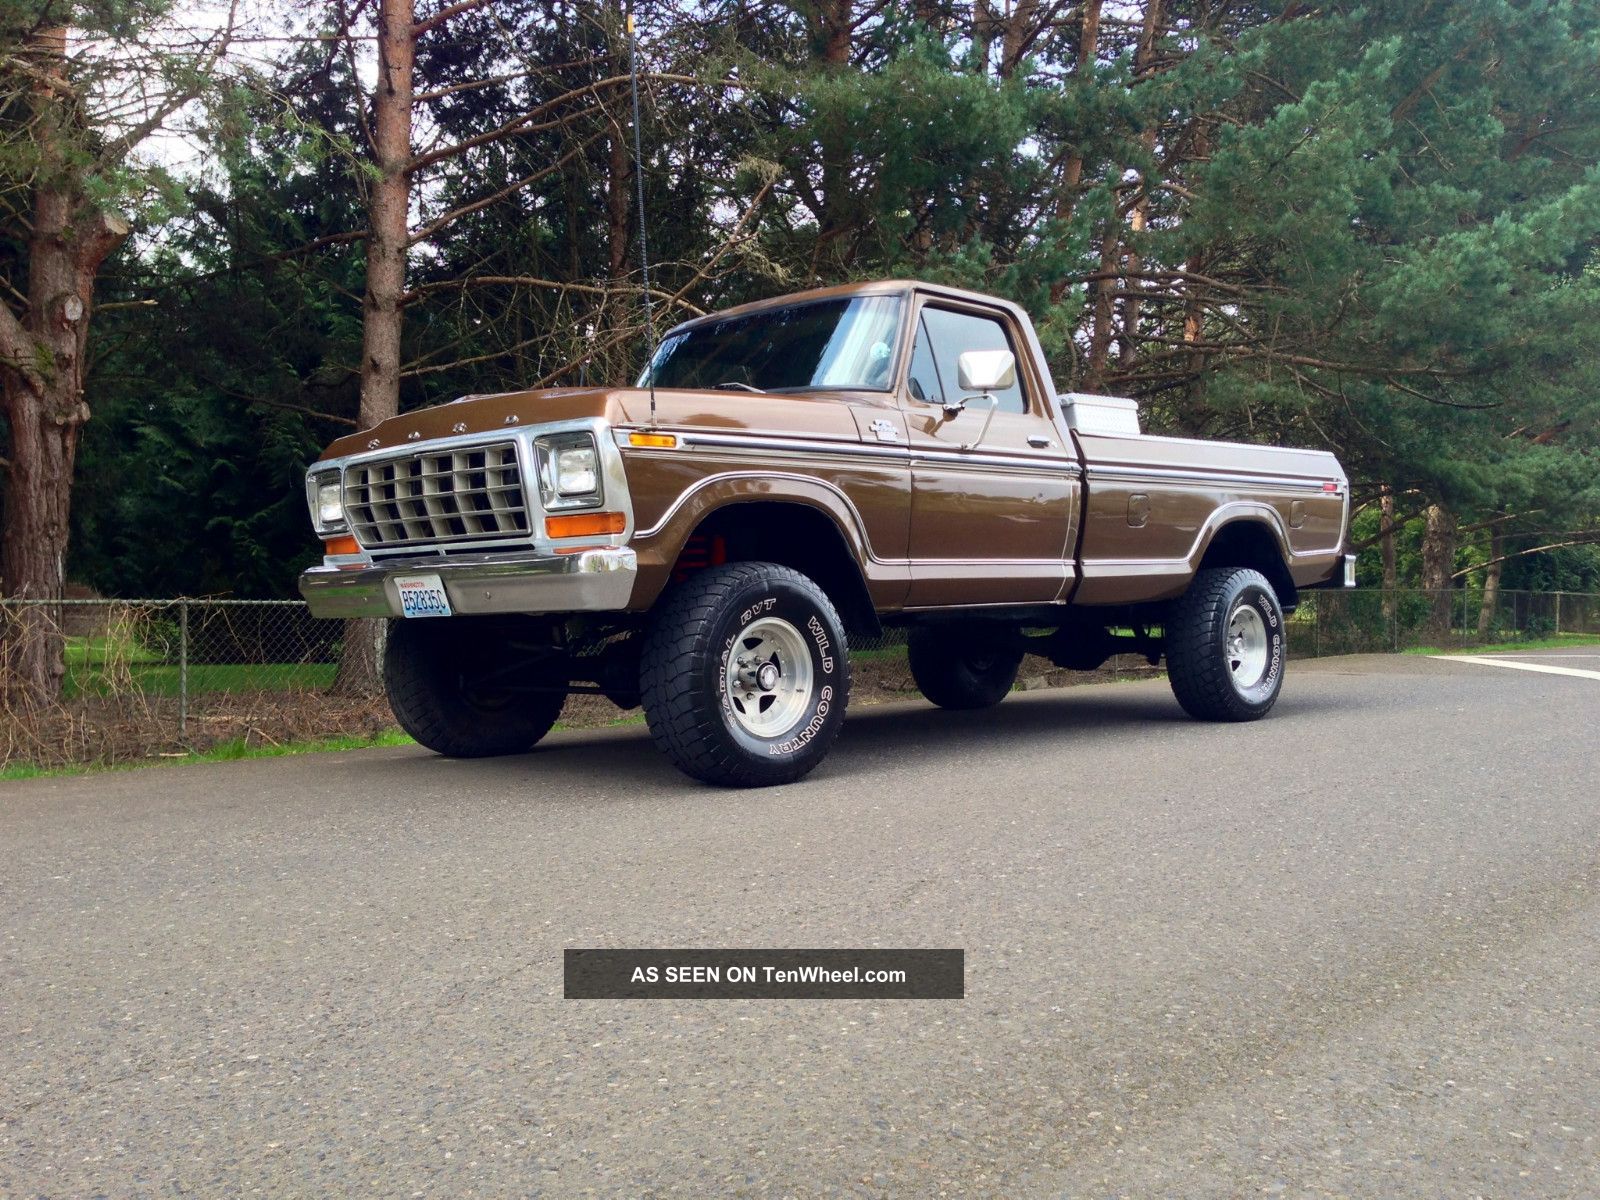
[(1555, 642), (161, 679), (229, 751), (86, 653)]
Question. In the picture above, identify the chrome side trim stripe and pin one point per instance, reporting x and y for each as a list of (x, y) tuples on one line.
[(980, 458), (1201, 478), (787, 446), (791, 445)]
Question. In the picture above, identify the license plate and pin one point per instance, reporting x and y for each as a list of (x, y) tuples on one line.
[(422, 596)]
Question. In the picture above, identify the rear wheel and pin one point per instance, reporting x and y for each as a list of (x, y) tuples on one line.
[(1225, 646), (958, 667), (456, 695), (745, 675)]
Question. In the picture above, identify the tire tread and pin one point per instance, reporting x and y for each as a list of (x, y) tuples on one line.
[(685, 720), (1197, 673)]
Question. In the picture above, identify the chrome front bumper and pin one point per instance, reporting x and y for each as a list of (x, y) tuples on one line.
[(585, 581)]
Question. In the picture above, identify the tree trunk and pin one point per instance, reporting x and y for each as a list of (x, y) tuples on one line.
[(1139, 218), (1019, 27), (612, 369), (619, 176), (1072, 174), (1386, 549), (1088, 48), (382, 314), (835, 21), (1438, 565), (1491, 584), (1103, 314), (42, 358)]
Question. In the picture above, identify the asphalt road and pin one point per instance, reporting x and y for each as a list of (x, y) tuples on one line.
[(1350, 950)]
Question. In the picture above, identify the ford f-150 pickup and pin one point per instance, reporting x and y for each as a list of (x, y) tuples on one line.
[(785, 477)]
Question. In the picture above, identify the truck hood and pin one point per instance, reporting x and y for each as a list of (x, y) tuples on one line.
[(480, 414), (824, 413)]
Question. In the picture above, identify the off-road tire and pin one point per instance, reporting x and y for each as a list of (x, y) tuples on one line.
[(426, 667), (960, 668), (688, 642), (1199, 664)]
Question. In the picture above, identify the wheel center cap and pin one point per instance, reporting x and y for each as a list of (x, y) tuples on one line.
[(767, 677)]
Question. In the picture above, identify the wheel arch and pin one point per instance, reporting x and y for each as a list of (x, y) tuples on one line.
[(805, 530), (1255, 542)]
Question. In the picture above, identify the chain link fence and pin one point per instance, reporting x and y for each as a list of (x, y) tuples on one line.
[(146, 678)]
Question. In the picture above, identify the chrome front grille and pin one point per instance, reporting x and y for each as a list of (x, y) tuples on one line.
[(469, 494)]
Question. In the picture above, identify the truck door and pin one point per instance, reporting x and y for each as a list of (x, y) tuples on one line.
[(993, 517)]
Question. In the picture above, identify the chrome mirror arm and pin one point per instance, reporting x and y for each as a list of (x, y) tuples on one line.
[(994, 403)]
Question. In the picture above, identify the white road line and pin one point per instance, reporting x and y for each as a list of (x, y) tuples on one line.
[(1550, 654), (1516, 666)]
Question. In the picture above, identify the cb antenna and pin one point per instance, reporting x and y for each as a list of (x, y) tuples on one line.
[(644, 246)]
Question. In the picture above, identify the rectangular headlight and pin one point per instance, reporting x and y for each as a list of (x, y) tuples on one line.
[(577, 472), (330, 503), (569, 471), (325, 497)]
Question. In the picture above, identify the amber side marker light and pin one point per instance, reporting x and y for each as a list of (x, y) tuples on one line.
[(583, 525), (661, 441), (341, 545)]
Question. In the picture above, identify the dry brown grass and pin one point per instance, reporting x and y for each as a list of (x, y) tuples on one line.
[(120, 720)]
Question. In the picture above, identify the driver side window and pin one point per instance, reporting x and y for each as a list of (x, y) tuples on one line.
[(943, 335)]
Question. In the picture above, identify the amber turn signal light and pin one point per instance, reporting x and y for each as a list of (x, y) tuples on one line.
[(341, 545), (583, 525), (661, 441)]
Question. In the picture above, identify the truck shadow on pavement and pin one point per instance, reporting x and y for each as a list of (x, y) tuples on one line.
[(875, 738)]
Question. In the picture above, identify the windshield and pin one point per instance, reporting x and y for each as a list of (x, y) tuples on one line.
[(845, 343)]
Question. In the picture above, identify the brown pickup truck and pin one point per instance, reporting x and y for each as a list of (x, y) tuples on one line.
[(785, 477)]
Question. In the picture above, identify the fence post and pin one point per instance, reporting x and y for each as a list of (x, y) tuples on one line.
[(1316, 630), (1558, 612), (183, 669)]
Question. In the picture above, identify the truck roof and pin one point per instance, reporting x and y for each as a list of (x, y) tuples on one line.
[(876, 287)]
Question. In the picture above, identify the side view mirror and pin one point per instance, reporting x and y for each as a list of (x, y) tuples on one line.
[(981, 371), (986, 370)]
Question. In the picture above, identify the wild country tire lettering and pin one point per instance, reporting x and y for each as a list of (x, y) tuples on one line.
[(1269, 614), (823, 644), (790, 745)]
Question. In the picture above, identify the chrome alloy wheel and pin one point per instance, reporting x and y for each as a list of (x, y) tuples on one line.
[(767, 677), (1247, 645)]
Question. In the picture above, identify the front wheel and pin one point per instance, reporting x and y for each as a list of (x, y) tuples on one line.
[(745, 675), (1225, 646)]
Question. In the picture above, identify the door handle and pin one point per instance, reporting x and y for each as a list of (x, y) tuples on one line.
[(1038, 442)]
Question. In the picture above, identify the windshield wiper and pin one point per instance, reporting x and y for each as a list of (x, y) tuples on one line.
[(735, 385)]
